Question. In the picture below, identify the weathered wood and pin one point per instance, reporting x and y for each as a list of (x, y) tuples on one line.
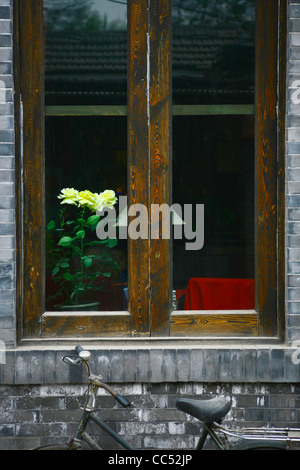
[(209, 323), (281, 167), (32, 92), (178, 110), (18, 171), (160, 163), (138, 151), (266, 172), (86, 110), (85, 324), (212, 109)]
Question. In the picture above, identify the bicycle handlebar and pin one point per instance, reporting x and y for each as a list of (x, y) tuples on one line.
[(85, 356)]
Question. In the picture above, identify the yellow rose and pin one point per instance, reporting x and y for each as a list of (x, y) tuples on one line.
[(105, 199), (68, 196), (86, 198)]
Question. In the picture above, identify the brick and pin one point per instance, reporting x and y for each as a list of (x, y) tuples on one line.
[(293, 294), (183, 365), (6, 136), (7, 371), (293, 187), (224, 365), (7, 295), (277, 365), (116, 366), (7, 216), (210, 365), (62, 370), (6, 189), (293, 201), (101, 364), (6, 122), (237, 367), (156, 366), (6, 109), (5, 40), (143, 366), (169, 365), (7, 242), (5, 26), (263, 365), (7, 309), (294, 10), (130, 366), (196, 373), (5, 12), (6, 68)]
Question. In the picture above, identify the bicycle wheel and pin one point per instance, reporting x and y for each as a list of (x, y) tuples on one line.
[(260, 445), (53, 447)]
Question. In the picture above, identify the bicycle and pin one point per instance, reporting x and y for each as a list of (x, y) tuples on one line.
[(211, 412)]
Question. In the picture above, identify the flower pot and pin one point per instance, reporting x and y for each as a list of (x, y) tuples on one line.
[(84, 307)]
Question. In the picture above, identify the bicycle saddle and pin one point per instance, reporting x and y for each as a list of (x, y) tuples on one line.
[(208, 411)]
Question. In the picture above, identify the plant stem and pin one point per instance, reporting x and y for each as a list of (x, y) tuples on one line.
[(82, 246)]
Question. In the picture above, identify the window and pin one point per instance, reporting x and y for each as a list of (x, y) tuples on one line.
[(63, 123)]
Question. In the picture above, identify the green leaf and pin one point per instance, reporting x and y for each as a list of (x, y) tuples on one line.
[(88, 262), (64, 264), (51, 225), (80, 234), (93, 220), (65, 241), (67, 276), (106, 274), (96, 242), (111, 242), (55, 270)]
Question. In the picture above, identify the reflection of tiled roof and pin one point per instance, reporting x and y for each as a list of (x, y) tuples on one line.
[(80, 53), (204, 56)]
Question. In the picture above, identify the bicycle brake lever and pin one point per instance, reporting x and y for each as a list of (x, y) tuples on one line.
[(72, 362)]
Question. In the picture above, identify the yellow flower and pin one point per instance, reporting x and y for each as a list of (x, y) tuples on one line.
[(105, 199), (69, 196), (86, 198)]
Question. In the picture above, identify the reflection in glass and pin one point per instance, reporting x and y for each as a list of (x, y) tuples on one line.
[(86, 56), (86, 141), (213, 139)]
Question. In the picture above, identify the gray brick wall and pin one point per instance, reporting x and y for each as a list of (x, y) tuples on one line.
[(7, 203), (48, 414)]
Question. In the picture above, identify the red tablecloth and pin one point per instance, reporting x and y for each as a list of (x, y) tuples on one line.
[(219, 294)]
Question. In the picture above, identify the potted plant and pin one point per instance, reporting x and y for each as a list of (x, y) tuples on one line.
[(77, 260)]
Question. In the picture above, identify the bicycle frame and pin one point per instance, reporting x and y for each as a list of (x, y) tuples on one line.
[(208, 429), (82, 435), (250, 437)]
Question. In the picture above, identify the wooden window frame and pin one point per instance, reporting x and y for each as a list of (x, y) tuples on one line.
[(149, 182)]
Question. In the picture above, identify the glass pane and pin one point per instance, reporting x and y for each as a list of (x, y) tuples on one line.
[(213, 152), (86, 56), (86, 152)]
